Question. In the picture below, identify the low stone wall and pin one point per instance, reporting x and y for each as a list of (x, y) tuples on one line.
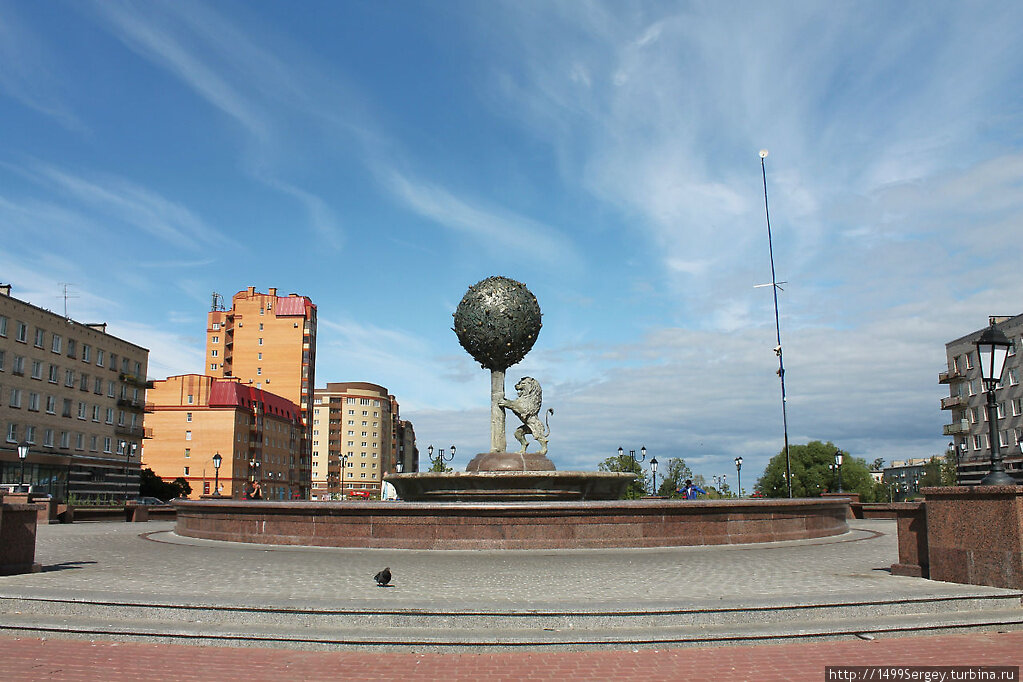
[(511, 525), (975, 534), (914, 554)]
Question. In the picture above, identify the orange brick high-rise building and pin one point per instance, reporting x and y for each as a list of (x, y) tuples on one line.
[(269, 342), (258, 435)]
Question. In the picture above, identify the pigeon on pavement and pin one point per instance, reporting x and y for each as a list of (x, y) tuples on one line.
[(383, 577)]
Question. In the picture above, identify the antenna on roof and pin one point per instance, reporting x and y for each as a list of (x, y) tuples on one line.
[(67, 295), (218, 302)]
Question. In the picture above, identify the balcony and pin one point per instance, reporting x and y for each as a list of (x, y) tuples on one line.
[(131, 404), (125, 430), (129, 378), (957, 427), (953, 401), (951, 375)]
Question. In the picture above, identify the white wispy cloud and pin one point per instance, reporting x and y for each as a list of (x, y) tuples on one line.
[(492, 228)]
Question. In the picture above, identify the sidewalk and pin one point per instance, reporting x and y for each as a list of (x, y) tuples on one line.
[(24, 660)]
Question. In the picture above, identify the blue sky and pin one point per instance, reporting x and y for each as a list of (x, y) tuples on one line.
[(381, 157)]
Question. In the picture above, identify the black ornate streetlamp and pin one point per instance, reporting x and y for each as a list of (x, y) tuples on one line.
[(128, 449), (653, 470), (838, 468), (22, 455), (217, 459), (632, 454), (738, 474), (439, 460), (992, 348)]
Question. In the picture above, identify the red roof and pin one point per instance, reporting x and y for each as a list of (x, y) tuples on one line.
[(288, 306), (234, 394)]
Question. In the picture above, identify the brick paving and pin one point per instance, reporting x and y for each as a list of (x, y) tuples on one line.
[(25, 660)]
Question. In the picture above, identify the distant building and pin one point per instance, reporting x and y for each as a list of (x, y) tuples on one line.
[(407, 452), (358, 423), (269, 342), (75, 395), (903, 478), (257, 434), (967, 403)]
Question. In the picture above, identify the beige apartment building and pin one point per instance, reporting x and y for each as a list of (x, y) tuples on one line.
[(257, 434), (354, 438), (75, 396), (269, 342)]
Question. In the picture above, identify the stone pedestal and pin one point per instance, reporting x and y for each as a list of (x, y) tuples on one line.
[(136, 513), (911, 518), (975, 534), (18, 539)]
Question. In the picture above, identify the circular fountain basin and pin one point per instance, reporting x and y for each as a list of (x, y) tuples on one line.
[(512, 525)]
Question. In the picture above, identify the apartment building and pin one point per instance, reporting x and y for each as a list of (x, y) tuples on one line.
[(967, 403), (269, 342), (257, 434), (354, 438), (75, 396)]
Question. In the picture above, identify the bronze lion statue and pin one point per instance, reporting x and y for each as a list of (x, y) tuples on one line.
[(527, 408)]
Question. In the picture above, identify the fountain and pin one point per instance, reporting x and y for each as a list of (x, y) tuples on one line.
[(497, 323), (510, 500)]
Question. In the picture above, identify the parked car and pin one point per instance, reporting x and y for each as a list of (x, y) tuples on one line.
[(149, 500)]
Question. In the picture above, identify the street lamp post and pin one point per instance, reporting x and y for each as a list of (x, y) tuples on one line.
[(217, 459), (439, 460), (344, 463), (632, 454), (838, 468), (22, 455), (128, 449), (738, 474), (993, 348), (653, 469)]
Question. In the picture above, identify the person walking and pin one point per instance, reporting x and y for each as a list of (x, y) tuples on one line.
[(690, 491), (387, 490), (257, 493)]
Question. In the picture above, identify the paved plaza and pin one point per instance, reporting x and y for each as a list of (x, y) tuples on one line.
[(125, 564)]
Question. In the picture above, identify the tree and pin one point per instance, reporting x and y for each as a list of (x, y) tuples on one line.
[(627, 464), (151, 485), (878, 464), (812, 473), (950, 467), (675, 476), (438, 466)]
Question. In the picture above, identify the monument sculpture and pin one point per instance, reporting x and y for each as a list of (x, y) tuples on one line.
[(527, 408)]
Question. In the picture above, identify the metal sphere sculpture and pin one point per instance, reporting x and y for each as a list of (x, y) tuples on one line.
[(497, 323)]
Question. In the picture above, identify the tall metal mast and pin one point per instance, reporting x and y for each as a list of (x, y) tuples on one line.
[(777, 327)]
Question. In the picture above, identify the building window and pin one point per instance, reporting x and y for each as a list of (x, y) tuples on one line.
[(213, 365), (69, 378), (113, 361), (54, 374), (97, 386), (12, 433), (81, 410), (215, 339), (259, 356), (94, 443), (106, 444), (969, 361), (30, 434), (15, 400), (216, 326), (110, 415), (110, 389), (261, 341), (33, 402), (188, 416), (65, 440), (978, 442), (79, 441), (51, 405), (37, 370), (1017, 407), (86, 353), (84, 383), (188, 435), (71, 348), (259, 371), (190, 399), (95, 413), (213, 353), (99, 357), (56, 344), (1013, 377), (18, 368), (22, 334), (188, 453), (186, 471), (2, 355), (3, 326), (67, 408), (40, 337)]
